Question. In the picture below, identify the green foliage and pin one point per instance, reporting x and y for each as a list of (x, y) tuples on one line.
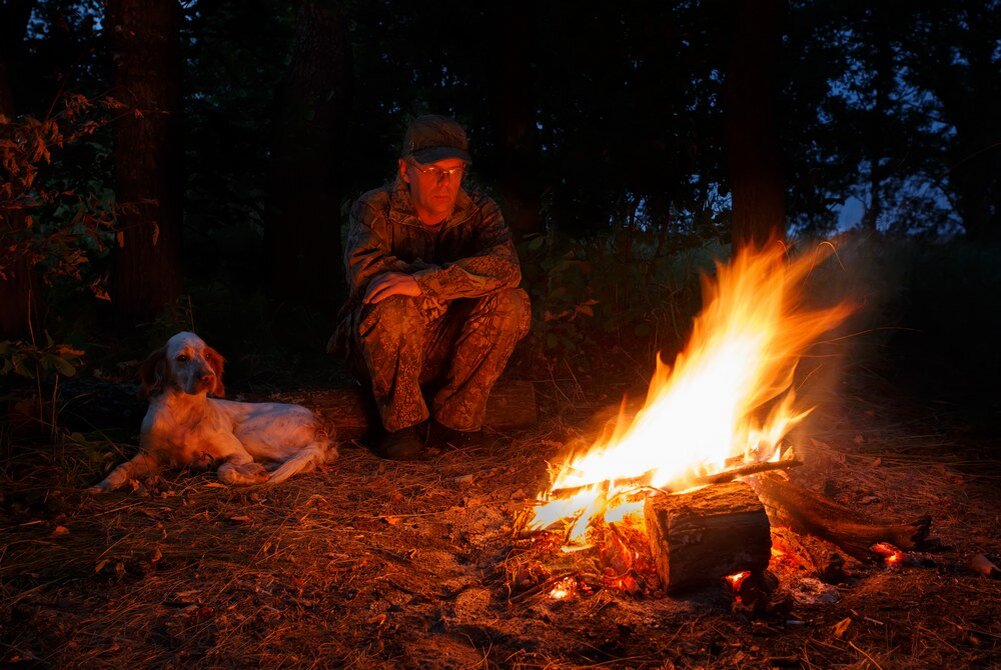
[(31, 361), (46, 226), (636, 292)]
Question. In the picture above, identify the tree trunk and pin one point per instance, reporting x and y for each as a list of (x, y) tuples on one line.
[(884, 81), (18, 294), (517, 136), (145, 49), (754, 155), (303, 225)]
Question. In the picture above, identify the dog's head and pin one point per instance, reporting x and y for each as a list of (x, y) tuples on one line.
[(185, 363)]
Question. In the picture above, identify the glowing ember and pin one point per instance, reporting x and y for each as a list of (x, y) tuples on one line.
[(705, 413), (891, 555), (562, 589), (736, 580)]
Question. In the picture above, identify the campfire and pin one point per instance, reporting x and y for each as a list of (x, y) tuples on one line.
[(718, 414)]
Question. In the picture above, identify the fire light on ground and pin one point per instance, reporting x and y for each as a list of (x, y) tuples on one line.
[(727, 400)]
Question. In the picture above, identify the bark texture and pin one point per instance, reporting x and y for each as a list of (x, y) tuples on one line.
[(303, 235), (144, 40), (699, 537), (754, 155)]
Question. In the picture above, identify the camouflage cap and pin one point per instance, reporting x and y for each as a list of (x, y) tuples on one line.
[(431, 138)]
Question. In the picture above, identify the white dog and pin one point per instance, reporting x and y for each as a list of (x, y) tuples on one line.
[(184, 427)]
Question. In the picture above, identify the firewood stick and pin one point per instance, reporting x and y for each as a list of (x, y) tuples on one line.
[(718, 478), (749, 469), (806, 511)]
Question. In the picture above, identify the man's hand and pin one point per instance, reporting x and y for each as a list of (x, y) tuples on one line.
[(389, 284)]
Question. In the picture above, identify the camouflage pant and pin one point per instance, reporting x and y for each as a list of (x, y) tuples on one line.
[(457, 353)]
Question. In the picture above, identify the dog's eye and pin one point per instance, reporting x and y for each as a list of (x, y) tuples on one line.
[(182, 358)]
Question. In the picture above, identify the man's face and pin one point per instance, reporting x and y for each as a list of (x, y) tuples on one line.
[(434, 187)]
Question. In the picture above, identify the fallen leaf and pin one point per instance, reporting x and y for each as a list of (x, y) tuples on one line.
[(984, 566), (842, 626), (240, 519), (100, 565), (818, 444), (60, 530), (391, 520), (377, 620)]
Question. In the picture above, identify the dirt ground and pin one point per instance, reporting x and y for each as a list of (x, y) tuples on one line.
[(375, 564)]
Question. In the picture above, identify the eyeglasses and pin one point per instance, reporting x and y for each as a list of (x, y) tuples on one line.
[(437, 173)]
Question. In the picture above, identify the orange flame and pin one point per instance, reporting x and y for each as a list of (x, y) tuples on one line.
[(706, 409)]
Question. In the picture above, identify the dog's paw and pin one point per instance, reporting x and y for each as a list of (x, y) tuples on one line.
[(254, 472), (249, 473), (97, 489)]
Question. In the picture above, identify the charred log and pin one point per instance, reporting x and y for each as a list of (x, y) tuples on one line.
[(352, 412), (808, 512), (697, 538)]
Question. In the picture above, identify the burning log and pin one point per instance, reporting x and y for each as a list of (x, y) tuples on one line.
[(697, 538), (808, 512)]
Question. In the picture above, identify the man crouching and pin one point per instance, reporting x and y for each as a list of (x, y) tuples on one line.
[(434, 303)]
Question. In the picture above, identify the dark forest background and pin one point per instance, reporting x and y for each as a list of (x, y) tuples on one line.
[(189, 165)]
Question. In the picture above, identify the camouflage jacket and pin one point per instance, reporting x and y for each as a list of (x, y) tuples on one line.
[(468, 255)]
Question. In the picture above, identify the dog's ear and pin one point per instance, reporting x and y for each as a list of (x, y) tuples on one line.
[(216, 362), (153, 373)]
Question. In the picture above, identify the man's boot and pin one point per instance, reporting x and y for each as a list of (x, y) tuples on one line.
[(447, 438), (406, 444)]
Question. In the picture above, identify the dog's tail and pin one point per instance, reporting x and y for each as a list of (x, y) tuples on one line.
[(313, 454)]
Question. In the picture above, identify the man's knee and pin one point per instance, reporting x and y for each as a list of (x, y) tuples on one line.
[(397, 314), (509, 309)]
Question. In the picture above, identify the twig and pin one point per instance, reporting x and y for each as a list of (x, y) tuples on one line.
[(864, 653), (750, 469), (538, 588), (27, 654), (718, 478)]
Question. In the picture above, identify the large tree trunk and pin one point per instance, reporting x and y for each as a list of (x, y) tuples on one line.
[(884, 82), (18, 293), (513, 44), (145, 48), (754, 155), (303, 225)]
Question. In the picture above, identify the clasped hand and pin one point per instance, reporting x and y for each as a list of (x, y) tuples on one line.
[(390, 284)]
